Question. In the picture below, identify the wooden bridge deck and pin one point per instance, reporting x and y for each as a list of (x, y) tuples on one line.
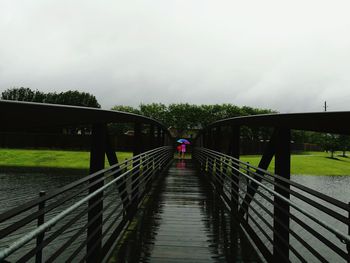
[(184, 222)]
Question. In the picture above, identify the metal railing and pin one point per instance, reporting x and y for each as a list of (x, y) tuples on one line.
[(319, 224), (89, 213)]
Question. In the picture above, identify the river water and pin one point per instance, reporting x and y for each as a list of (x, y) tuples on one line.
[(17, 188)]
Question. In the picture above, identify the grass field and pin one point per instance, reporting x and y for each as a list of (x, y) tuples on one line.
[(44, 159), (309, 163)]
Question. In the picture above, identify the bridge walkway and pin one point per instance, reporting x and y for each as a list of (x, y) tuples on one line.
[(184, 221)]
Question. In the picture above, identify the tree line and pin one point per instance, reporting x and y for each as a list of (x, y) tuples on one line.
[(184, 116), (71, 97)]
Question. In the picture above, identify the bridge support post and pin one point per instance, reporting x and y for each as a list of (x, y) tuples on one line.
[(163, 138), (205, 136), (219, 168), (137, 150), (151, 139), (281, 208), (113, 159), (158, 137), (40, 238), (95, 214), (234, 152), (201, 142), (264, 163), (348, 244), (210, 138), (218, 139), (137, 139)]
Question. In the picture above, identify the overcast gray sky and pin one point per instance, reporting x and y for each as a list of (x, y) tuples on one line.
[(290, 56)]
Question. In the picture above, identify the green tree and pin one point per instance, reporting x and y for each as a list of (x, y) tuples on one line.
[(156, 111), (19, 94), (71, 97), (76, 98), (330, 143), (344, 143), (183, 116), (125, 109), (120, 128)]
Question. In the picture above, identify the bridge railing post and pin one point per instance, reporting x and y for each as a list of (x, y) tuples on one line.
[(151, 135), (234, 152), (205, 139), (214, 168), (218, 139), (113, 160), (348, 244), (203, 163), (162, 141), (222, 173), (95, 205), (281, 208), (209, 140), (137, 150), (40, 238), (159, 143)]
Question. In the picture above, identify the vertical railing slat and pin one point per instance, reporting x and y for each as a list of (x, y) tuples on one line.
[(234, 152), (282, 168), (97, 163), (40, 238)]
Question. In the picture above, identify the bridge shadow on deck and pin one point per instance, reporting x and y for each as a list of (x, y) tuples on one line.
[(184, 221)]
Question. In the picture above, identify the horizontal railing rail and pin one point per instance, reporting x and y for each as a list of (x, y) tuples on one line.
[(57, 222), (310, 236), (117, 168)]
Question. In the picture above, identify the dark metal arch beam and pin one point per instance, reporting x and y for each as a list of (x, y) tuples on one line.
[(332, 122), (16, 115)]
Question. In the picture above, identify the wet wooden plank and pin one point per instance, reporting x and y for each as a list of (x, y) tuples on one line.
[(184, 224)]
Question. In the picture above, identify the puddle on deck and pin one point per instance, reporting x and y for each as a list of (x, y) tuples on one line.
[(184, 222)]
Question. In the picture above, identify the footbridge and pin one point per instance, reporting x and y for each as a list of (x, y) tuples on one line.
[(153, 207)]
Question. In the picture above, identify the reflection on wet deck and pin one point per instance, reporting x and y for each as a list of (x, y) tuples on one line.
[(184, 222)]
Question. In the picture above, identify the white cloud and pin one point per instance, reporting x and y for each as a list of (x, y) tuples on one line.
[(285, 55)]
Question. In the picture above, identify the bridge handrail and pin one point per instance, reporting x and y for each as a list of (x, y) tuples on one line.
[(149, 161), (309, 190), (36, 201), (335, 231), (218, 164)]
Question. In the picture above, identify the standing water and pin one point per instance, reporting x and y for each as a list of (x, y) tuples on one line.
[(17, 188)]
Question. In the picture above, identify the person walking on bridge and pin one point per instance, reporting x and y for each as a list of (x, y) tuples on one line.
[(183, 150), (182, 147)]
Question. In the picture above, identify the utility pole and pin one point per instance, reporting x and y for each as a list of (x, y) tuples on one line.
[(325, 106)]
